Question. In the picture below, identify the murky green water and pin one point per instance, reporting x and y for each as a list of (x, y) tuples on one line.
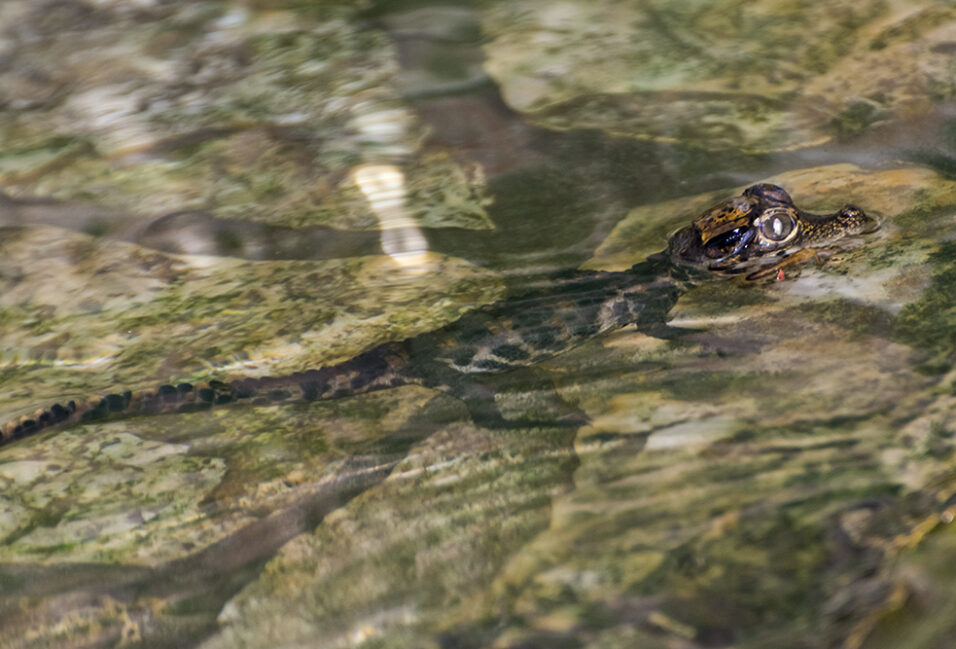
[(198, 190)]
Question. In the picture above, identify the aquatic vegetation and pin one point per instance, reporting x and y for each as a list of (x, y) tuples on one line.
[(779, 472), (722, 74)]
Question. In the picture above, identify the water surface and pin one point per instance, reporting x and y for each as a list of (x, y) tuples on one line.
[(205, 190)]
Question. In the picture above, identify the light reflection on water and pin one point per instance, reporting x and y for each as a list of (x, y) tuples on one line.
[(401, 238), (778, 473)]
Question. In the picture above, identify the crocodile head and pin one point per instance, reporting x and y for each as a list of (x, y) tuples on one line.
[(760, 231)]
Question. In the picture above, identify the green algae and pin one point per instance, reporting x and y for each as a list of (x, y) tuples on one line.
[(723, 74), (118, 493), (82, 315), (245, 112), (103, 512), (922, 619), (861, 319), (746, 484), (715, 495), (805, 437), (930, 322), (162, 317), (419, 556), (721, 535)]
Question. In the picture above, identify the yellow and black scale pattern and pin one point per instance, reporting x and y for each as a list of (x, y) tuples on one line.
[(761, 229)]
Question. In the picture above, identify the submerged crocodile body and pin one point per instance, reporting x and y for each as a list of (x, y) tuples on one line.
[(756, 234)]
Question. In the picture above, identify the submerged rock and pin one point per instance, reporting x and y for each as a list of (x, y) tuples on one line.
[(245, 110), (752, 482), (722, 74), (779, 456)]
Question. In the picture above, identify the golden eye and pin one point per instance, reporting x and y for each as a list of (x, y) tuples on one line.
[(777, 227)]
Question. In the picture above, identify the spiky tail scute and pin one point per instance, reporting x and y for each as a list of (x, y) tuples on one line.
[(376, 369)]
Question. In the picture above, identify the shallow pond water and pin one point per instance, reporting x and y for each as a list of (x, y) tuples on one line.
[(206, 190)]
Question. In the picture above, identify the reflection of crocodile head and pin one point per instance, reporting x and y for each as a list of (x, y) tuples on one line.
[(760, 231)]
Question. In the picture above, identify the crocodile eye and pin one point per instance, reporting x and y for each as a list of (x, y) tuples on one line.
[(777, 227)]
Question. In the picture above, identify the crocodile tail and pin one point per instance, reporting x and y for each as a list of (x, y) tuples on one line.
[(376, 369)]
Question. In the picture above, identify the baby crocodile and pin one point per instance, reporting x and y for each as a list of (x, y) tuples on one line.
[(756, 233)]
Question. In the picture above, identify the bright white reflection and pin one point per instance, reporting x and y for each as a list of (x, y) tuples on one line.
[(384, 131), (384, 188)]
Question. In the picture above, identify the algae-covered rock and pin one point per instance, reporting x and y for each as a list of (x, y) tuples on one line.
[(112, 493), (247, 110), (102, 496), (83, 317), (754, 481), (78, 311), (923, 615), (751, 483), (412, 555), (259, 110), (756, 76)]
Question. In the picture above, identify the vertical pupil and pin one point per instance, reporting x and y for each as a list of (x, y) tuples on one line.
[(777, 228)]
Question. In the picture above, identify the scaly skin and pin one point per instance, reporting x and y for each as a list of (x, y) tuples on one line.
[(756, 233)]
